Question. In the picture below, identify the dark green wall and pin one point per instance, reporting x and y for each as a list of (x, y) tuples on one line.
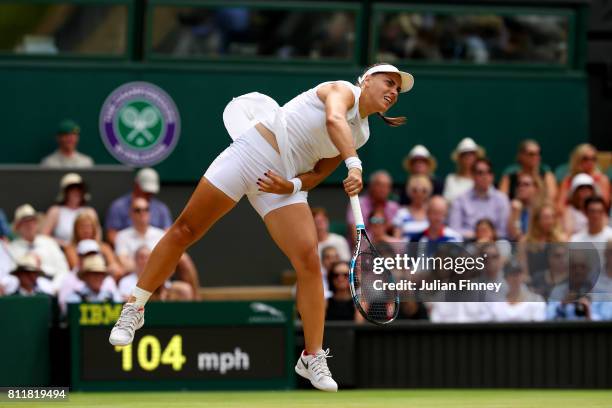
[(495, 108)]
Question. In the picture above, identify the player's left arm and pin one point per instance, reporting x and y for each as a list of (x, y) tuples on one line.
[(273, 183)]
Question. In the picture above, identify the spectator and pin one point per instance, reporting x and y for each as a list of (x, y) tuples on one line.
[(71, 201), (482, 201), (86, 228), (437, 232), (527, 195), (379, 227), (456, 184), (92, 275), (420, 162), (574, 218), (570, 300), (146, 185), (140, 233), (597, 229), (52, 260), (411, 220), (529, 161), (493, 271), (143, 233), (67, 156), (603, 286), (543, 281), (30, 277), (484, 231), (329, 256), (327, 238), (520, 305), (340, 305), (176, 290), (7, 282), (379, 188), (544, 229), (5, 229), (584, 160)]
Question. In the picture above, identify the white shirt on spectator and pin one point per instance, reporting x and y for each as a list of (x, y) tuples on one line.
[(338, 242), (604, 235), (459, 312), (59, 160), (532, 311), (127, 285), (52, 260), (129, 240), (455, 185)]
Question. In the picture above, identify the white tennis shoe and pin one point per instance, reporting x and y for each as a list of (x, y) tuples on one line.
[(314, 368), (131, 319)]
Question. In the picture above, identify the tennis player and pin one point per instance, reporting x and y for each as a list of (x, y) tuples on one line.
[(278, 154)]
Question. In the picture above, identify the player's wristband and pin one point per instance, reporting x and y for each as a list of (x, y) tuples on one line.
[(297, 185), (353, 162)]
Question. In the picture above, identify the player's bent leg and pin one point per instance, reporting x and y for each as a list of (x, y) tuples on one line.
[(207, 205), (301, 249)]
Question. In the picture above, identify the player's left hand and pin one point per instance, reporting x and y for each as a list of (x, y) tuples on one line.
[(273, 183)]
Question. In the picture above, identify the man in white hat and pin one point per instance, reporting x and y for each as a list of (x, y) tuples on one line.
[(146, 185), (30, 277), (419, 161), (93, 284), (52, 260)]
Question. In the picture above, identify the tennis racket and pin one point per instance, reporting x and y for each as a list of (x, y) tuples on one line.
[(377, 306)]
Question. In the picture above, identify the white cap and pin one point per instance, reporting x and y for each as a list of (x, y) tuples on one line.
[(87, 246), (148, 180), (581, 179), (24, 211), (407, 79)]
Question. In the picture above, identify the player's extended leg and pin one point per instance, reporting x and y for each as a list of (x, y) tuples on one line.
[(206, 205), (292, 228)]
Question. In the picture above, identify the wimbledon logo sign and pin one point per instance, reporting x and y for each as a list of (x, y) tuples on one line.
[(139, 124)]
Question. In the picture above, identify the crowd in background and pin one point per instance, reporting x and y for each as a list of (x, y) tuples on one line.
[(529, 225), (65, 253)]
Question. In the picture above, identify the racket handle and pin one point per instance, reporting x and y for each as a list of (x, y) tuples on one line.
[(356, 207)]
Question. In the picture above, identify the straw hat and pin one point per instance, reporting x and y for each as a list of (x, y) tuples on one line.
[(22, 213), (69, 180), (28, 263), (93, 263), (467, 145), (419, 151)]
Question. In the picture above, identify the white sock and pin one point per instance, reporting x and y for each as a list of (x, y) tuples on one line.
[(141, 296)]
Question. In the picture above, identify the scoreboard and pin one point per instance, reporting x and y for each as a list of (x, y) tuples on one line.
[(185, 345)]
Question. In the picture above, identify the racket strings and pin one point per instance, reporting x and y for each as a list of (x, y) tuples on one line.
[(377, 302)]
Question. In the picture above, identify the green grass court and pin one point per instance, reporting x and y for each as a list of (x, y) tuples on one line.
[(356, 399)]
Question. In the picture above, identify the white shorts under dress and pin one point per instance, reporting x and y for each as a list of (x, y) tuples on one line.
[(236, 170)]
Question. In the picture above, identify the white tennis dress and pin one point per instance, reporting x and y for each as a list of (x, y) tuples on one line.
[(301, 134)]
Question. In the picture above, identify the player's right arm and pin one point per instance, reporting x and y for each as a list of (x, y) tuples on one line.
[(338, 99)]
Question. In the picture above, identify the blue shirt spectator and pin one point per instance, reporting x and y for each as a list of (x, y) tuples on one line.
[(483, 201), (5, 229), (146, 184)]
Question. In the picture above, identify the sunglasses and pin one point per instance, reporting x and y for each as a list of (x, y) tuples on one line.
[(532, 153), (377, 220), (418, 190), (343, 275), (139, 210), (589, 158), (482, 172)]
